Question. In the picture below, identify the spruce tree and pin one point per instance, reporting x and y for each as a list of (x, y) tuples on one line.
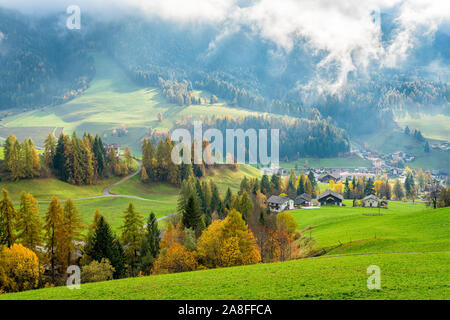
[(149, 245), (102, 244), (265, 184), (192, 215), (228, 201), (301, 185)]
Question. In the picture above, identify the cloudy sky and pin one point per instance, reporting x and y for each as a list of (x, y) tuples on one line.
[(347, 31)]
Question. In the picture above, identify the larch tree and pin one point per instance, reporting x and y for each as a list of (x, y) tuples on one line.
[(7, 220), (132, 232), (29, 224), (72, 228), (49, 150), (54, 234)]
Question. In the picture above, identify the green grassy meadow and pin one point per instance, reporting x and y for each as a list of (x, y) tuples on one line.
[(403, 276), (402, 227), (111, 101), (432, 126), (224, 177), (345, 162), (113, 208), (44, 189)]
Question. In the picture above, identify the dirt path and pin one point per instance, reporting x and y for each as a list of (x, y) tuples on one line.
[(107, 193)]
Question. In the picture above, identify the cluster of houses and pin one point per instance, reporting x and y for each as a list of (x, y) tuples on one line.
[(327, 198)]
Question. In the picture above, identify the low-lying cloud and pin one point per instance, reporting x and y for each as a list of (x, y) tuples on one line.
[(346, 34)]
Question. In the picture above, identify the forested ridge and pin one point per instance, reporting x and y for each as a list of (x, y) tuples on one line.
[(39, 66)]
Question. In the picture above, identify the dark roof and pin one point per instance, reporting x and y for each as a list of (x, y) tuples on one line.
[(304, 196), (328, 193), (277, 199), (333, 175)]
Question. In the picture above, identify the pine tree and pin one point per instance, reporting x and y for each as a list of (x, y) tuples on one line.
[(245, 186), (7, 220), (132, 235), (99, 155), (410, 185), (228, 201), (312, 179), (265, 184), (347, 191), (369, 187), (275, 182), (301, 185), (215, 197), (192, 216), (59, 160), (28, 224), (102, 244), (149, 245), (245, 206)]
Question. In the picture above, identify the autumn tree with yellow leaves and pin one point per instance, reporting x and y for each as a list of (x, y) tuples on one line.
[(225, 234), (19, 269)]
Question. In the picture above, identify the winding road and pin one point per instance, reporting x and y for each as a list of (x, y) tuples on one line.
[(107, 193)]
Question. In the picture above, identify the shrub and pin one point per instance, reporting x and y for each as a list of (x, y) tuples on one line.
[(97, 271)]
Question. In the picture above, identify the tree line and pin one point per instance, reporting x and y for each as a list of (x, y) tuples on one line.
[(79, 161), (297, 137)]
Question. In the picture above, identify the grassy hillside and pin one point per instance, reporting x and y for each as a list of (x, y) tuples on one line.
[(403, 276), (347, 162), (224, 177), (392, 141), (221, 175), (431, 126), (113, 100), (113, 208), (44, 189), (402, 227), (432, 160), (396, 140)]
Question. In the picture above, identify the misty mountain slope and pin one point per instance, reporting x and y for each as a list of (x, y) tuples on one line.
[(113, 101), (299, 74), (38, 66)]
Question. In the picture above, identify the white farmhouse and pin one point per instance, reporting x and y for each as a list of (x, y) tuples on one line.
[(278, 204)]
